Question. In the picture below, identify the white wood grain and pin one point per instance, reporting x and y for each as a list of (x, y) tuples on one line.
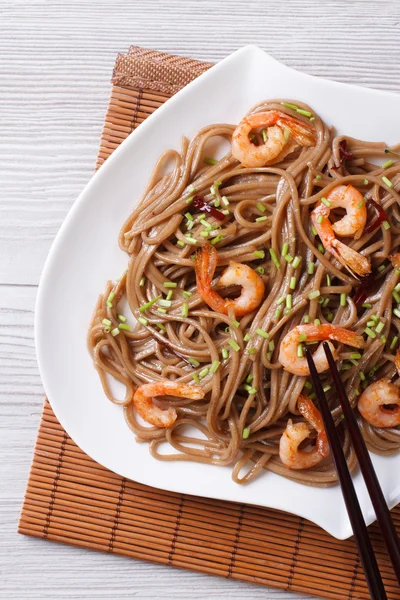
[(55, 63)]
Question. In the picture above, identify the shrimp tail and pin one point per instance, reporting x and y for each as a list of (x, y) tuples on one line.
[(397, 362), (205, 264), (351, 338), (354, 262)]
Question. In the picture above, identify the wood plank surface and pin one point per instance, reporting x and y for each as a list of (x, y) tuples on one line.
[(56, 60)]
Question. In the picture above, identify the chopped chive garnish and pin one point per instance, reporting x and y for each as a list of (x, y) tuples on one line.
[(269, 356), (107, 322), (356, 392), (170, 294), (141, 320), (387, 164), (381, 268), (196, 378), (325, 302), (162, 310), (190, 240), (149, 304), (233, 345), (362, 376), (162, 327), (217, 202), (387, 182), (355, 356), (306, 319), (329, 317), (379, 327), (246, 433), (328, 280), (247, 337), (289, 258), (397, 271), (185, 309), (397, 287), (142, 282), (210, 161), (321, 248), (191, 188), (296, 262), (224, 353), (302, 337), (278, 314), (361, 204), (300, 351), (190, 226), (262, 333), (318, 177), (259, 254), (315, 232), (289, 301), (305, 113), (274, 258), (308, 385), (115, 332), (225, 212), (260, 270), (371, 323), (180, 243), (292, 284), (366, 305), (343, 299), (194, 362), (107, 329), (249, 378), (365, 182), (217, 239), (264, 135), (288, 105), (236, 323), (326, 202), (201, 217), (285, 249), (370, 333), (314, 294), (320, 218), (271, 346), (383, 339), (170, 284), (281, 300), (225, 201), (260, 219), (165, 303), (317, 322), (189, 200), (251, 390), (261, 207), (189, 216), (310, 268), (394, 342), (396, 296), (187, 294), (204, 372), (386, 225), (326, 388)]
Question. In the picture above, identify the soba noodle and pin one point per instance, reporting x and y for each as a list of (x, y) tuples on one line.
[(183, 339)]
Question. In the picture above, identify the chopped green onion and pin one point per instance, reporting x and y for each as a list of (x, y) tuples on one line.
[(318, 177), (362, 376), (285, 249), (261, 207), (360, 204), (300, 351), (386, 225), (320, 218), (356, 392), (321, 248), (204, 372), (271, 346), (383, 339), (302, 337), (325, 302), (260, 219), (191, 188), (180, 243), (107, 322), (196, 378), (312, 396), (260, 270), (236, 323), (187, 294), (293, 106), (194, 362), (189, 216), (397, 272), (394, 342), (278, 314), (305, 113), (185, 309), (310, 268), (189, 226), (371, 323), (227, 329), (289, 258), (329, 316), (308, 385), (289, 301), (141, 320), (162, 327), (142, 282), (387, 182), (397, 287), (365, 182), (225, 212), (162, 310), (262, 333), (225, 201), (370, 333), (396, 296), (247, 337), (317, 322), (190, 240), (314, 294), (210, 161), (379, 327), (269, 356), (224, 353), (149, 304), (326, 202), (281, 300), (264, 135), (306, 319), (387, 164), (249, 378), (115, 332), (201, 217), (381, 268), (343, 299), (170, 294), (326, 388), (189, 200), (259, 254), (296, 262), (315, 232), (107, 329), (252, 391), (246, 433), (345, 367), (165, 303), (217, 239), (292, 284), (217, 202), (233, 345), (366, 305), (274, 258), (355, 356), (328, 280)]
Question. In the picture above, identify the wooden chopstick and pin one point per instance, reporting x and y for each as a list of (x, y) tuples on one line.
[(365, 550), (367, 469)]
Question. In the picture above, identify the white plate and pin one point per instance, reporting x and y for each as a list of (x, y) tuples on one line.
[(85, 254)]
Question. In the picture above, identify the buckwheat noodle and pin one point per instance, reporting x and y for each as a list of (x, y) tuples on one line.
[(155, 237)]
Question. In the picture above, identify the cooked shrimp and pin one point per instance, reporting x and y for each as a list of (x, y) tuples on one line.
[(288, 353), (379, 404), (295, 433), (352, 224), (284, 134), (236, 274), (144, 405)]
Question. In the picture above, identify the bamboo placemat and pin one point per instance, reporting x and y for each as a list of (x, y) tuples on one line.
[(72, 499)]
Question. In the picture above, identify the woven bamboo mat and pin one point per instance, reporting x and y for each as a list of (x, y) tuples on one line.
[(72, 499)]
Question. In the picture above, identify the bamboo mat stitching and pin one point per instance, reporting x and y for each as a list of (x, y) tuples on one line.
[(354, 577), (55, 484), (117, 515), (295, 553), (136, 110), (176, 530)]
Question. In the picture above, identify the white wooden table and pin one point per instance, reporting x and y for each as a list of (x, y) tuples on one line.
[(55, 63)]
